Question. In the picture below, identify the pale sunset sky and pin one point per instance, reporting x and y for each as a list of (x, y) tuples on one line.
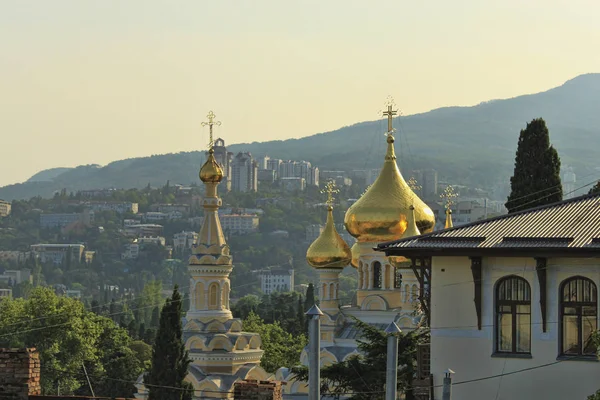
[(85, 81)]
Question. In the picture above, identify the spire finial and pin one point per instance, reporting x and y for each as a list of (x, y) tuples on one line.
[(211, 122), (330, 189)]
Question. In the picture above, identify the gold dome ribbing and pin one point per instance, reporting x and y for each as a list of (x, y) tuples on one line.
[(381, 214), (329, 250), (211, 171)]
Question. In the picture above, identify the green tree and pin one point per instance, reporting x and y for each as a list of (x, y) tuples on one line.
[(67, 337), (244, 306), (309, 301), (536, 178), (169, 357), (595, 396), (595, 189), (281, 348), (364, 374)]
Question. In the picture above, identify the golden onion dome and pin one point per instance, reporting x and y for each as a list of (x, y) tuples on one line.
[(381, 214), (449, 223), (355, 250), (411, 227), (329, 250), (211, 171)]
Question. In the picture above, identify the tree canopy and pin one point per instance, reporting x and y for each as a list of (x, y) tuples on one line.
[(281, 348), (67, 338)]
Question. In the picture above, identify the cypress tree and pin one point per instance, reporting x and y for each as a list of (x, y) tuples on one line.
[(309, 301), (169, 357), (536, 178)]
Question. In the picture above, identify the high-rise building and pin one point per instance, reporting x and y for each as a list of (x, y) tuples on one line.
[(262, 162), (568, 181), (287, 169), (244, 173), (273, 164), (299, 169)]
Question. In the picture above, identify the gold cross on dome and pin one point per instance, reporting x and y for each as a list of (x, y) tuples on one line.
[(211, 122), (390, 114), (330, 189), (448, 197)]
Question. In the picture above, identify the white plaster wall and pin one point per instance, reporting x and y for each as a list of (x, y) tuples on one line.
[(457, 344)]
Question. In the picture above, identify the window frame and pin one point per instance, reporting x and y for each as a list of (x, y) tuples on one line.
[(578, 305), (513, 304)]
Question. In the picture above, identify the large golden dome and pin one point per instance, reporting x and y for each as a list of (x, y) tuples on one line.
[(211, 171), (329, 250), (381, 214)]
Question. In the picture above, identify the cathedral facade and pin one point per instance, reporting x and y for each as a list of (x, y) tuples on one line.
[(390, 289)]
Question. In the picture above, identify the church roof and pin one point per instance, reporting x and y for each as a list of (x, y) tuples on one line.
[(567, 227), (351, 331)]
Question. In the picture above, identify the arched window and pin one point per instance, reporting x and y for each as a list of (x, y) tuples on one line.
[(513, 315), (376, 275), (578, 312), (213, 296), (199, 296)]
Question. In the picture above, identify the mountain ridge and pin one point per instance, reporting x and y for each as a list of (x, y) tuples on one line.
[(473, 145)]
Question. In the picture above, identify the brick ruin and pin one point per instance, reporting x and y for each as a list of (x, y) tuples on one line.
[(257, 390), (19, 374)]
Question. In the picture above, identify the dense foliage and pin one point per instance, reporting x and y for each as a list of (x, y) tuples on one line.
[(536, 178), (67, 338), (165, 380), (281, 348), (363, 376)]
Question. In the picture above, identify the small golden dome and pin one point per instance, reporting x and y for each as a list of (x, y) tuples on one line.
[(211, 171), (355, 250), (381, 214), (448, 219), (329, 250), (411, 228)]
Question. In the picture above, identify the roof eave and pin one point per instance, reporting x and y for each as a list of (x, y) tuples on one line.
[(538, 252)]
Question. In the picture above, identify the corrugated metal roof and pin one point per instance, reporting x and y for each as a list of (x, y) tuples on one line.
[(573, 223)]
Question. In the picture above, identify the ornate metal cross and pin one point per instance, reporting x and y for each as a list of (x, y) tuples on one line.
[(390, 114), (211, 121), (330, 189), (448, 197)]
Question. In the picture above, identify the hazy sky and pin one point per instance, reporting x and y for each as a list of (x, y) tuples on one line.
[(86, 81)]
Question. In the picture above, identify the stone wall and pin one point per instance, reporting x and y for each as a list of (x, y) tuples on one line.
[(257, 390), (19, 374)]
